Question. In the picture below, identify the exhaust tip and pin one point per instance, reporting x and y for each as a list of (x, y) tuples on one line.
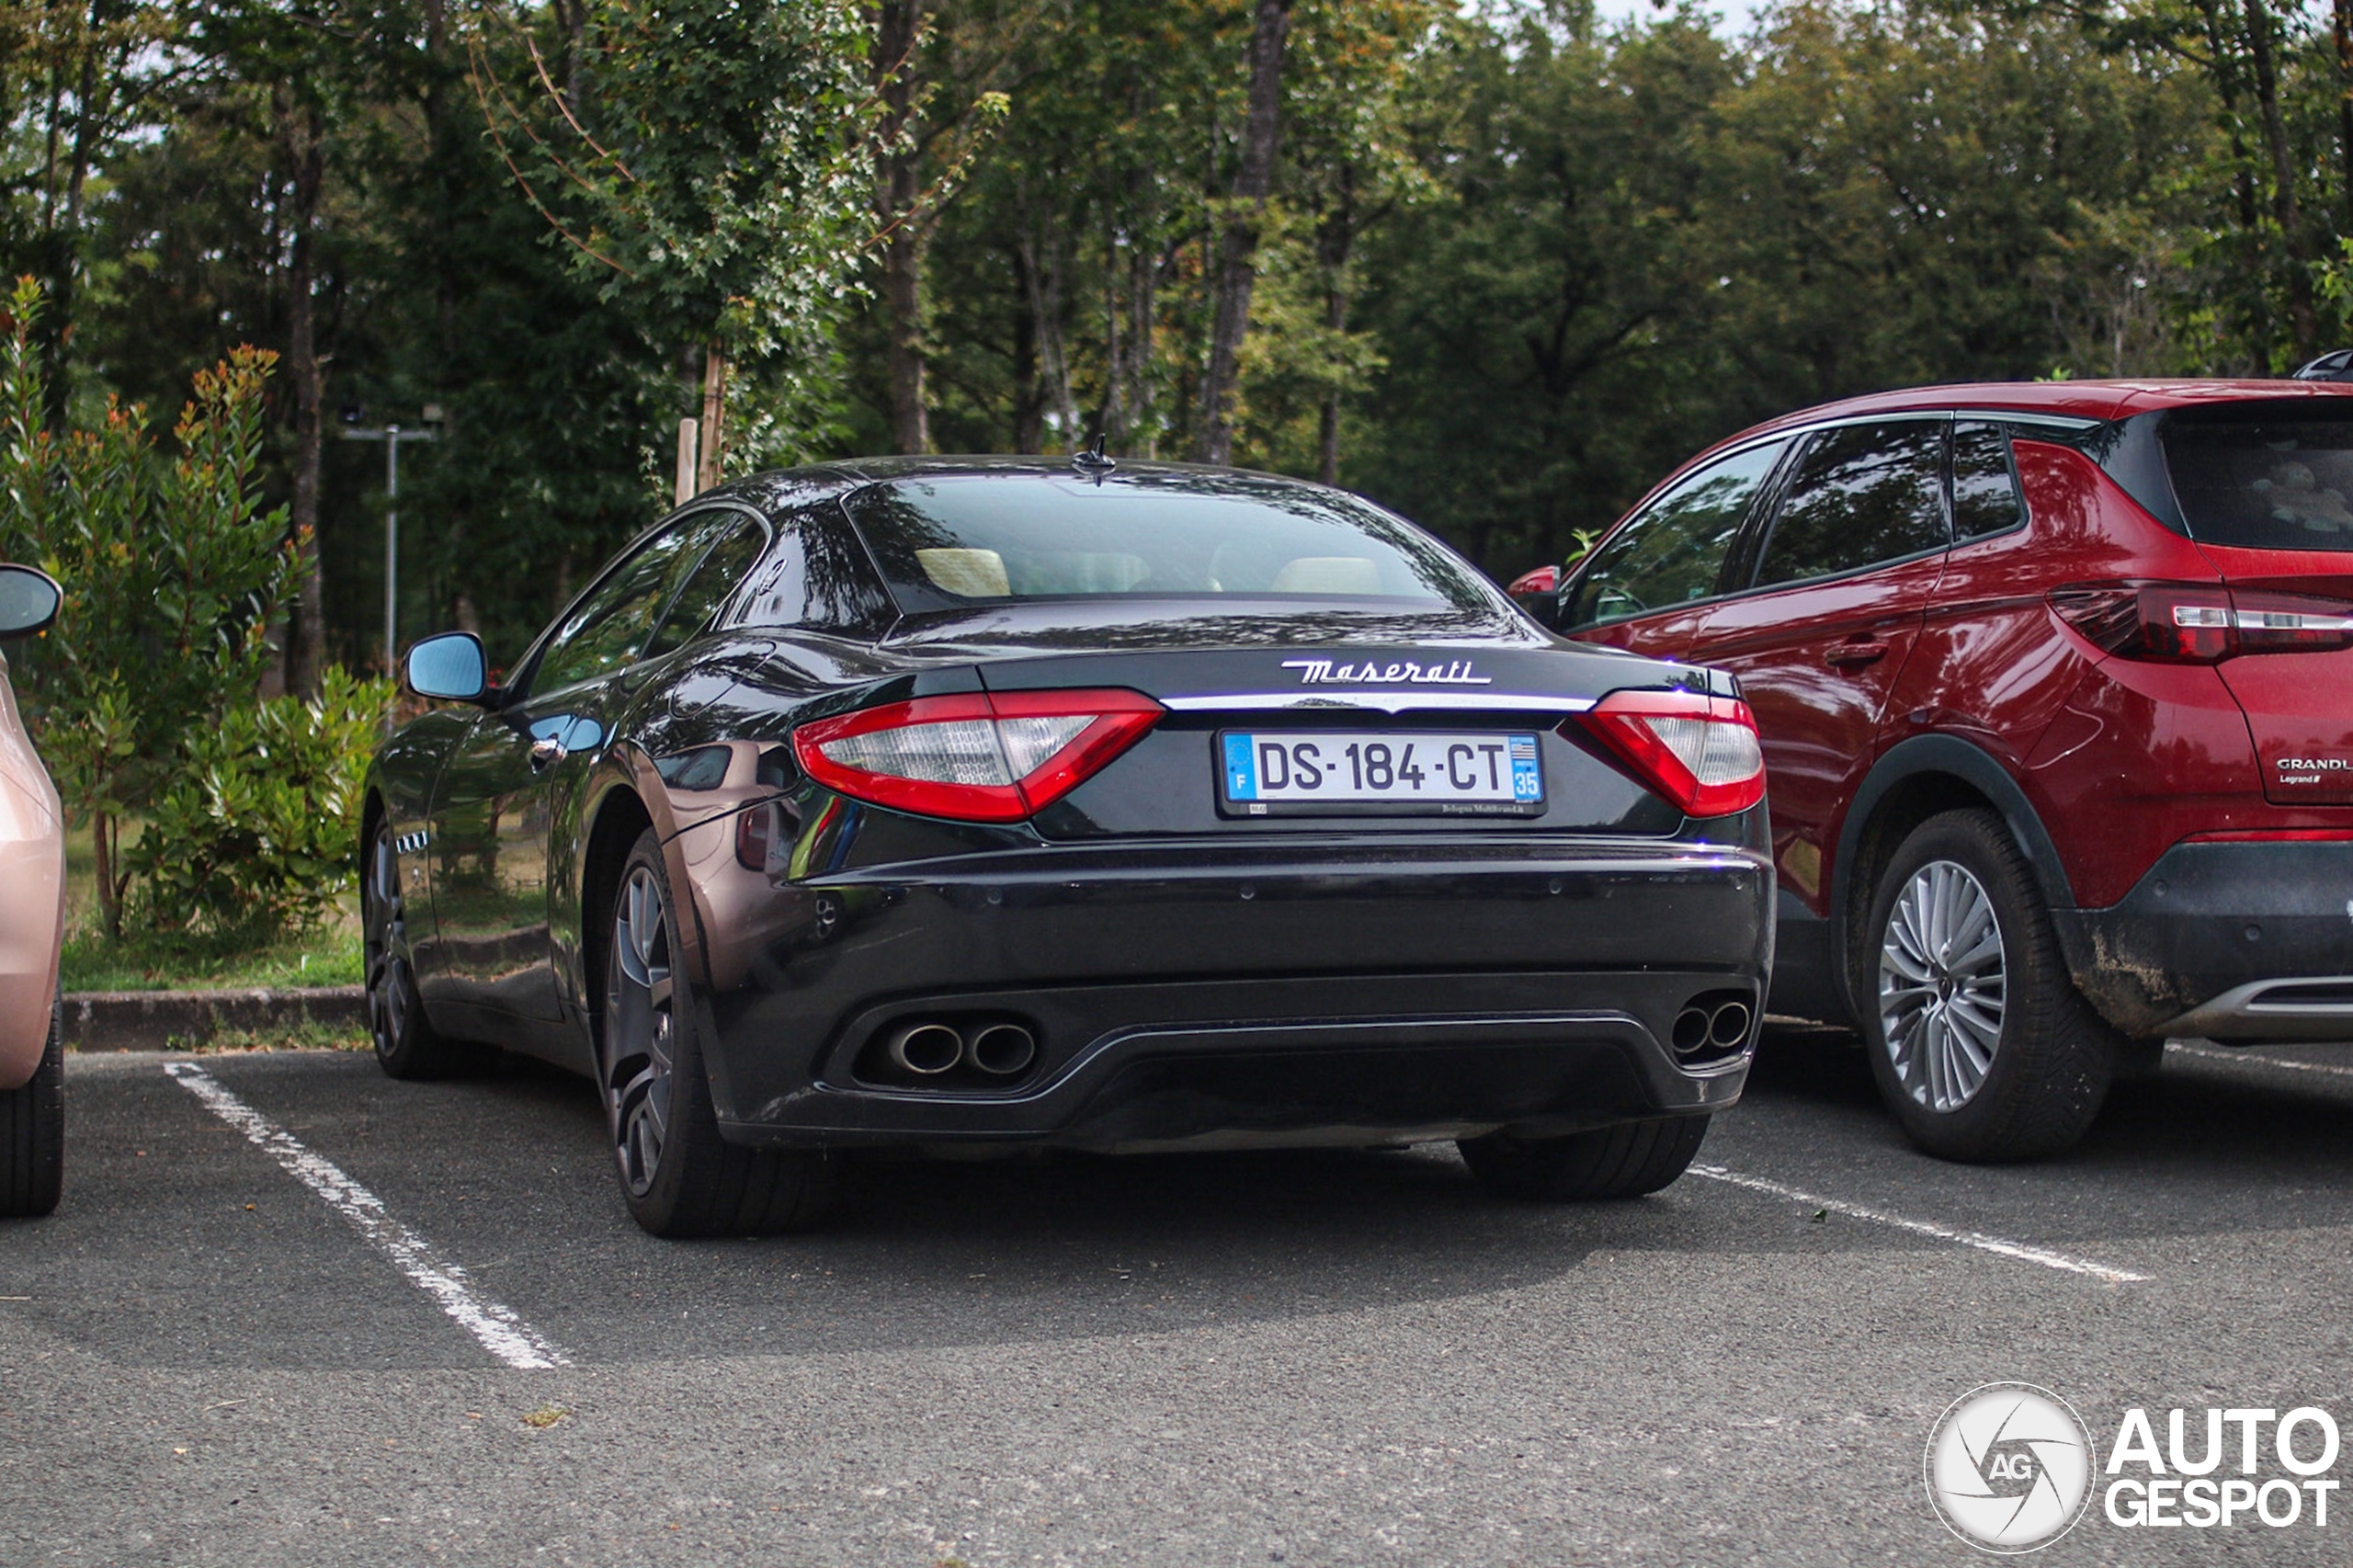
[(1728, 1025), (1003, 1049), (1691, 1028), (925, 1050)]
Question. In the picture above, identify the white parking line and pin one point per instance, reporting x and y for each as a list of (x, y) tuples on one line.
[(1982, 1242), (2242, 1059), (497, 1328)]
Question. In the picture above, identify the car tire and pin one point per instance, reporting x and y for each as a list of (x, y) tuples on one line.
[(32, 1132), (1996, 1055), (407, 1045), (1627, 1161), (678, 1176)]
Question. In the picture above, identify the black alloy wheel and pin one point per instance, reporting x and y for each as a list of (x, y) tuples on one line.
[(678, 1176), (33, 1132), (1978, 1039), (640, 1028), (406, 1043)]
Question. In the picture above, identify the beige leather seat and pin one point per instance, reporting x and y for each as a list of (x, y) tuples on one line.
[(1328, 574), (974, 574)]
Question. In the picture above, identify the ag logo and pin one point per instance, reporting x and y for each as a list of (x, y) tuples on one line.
[(2009, 1466)]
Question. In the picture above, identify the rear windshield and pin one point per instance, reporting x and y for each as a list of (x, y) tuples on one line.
[(944, 542), (2248, 477)]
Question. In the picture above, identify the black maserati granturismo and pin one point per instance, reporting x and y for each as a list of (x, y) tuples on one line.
[(957, 803)]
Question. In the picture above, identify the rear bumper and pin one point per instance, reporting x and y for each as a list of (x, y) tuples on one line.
[(2318, 1007), (1202, 1073), (2225, 942), (1186, 1003)]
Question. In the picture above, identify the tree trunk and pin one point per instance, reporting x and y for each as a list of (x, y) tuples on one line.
[(902, 304), (714, 430), (105, 828), (2343, 10), (572, 20), (899, 191), (1143, 318), (1237, 270), (303, 134), (1335, 238), (1029, 386), (1041, 272), (2285, 208)]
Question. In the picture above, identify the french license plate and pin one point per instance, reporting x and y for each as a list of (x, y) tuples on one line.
[(1357, 772)]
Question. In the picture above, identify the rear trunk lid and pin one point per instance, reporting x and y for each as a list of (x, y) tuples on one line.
[(2299, 706), (2266, 489), (1254, 692)]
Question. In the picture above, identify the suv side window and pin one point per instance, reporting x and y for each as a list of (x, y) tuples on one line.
[(1673, 551), (1862, 493), (1984, 483)]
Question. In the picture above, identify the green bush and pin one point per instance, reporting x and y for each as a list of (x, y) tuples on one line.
[(256, 832), (172, 567)]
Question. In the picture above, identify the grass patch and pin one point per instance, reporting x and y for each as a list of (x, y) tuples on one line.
[(327, 954)]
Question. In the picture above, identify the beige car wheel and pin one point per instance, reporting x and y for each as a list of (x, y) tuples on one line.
[(32, 1133)]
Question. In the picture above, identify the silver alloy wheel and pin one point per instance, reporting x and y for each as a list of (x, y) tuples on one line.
[(639, 1030), (1942, 985), (384, 934)]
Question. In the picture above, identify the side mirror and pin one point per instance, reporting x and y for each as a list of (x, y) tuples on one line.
[(1544, 607), (450, 667), (30, 600)]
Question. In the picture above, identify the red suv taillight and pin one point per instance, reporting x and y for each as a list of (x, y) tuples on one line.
[(1698, 751), (2201, 623), (976, 756)]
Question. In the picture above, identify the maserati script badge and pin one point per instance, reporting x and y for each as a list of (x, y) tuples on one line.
[(1323, 672)]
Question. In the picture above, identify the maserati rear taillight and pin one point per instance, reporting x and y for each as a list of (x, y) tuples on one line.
[(975, 756), (2201, 623), (1699, 752)]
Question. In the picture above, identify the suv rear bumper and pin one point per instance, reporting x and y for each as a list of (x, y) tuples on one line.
[(2247, 941), (2320, 1007)]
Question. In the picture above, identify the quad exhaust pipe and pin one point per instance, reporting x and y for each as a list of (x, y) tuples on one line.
[(1001, 1049), (1705, 1026), (925, 1050), (928, 1050)]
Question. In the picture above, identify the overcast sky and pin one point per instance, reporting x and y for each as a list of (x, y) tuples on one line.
[(1735, 14)]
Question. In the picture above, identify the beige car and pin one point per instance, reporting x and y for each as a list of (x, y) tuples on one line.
[(32, 926)]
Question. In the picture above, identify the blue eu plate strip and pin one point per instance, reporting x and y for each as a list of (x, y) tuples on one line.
[(1241, 769)]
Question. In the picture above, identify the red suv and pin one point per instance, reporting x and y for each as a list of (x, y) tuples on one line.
[(2056, 688)]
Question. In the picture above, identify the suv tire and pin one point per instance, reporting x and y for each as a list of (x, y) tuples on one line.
[(1996, 1055), (32, 1132), (1627, 1161)]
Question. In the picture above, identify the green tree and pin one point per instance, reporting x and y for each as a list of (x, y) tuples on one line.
[(706, 163)]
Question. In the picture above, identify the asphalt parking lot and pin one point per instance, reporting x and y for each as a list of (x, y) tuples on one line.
[(215, 1353)]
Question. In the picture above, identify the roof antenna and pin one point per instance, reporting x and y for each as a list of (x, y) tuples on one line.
[(1092, 463)]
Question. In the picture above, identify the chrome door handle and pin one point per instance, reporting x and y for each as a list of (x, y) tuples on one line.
[(546, 753)]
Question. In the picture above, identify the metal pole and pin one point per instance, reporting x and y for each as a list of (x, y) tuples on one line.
[(391, 547)]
